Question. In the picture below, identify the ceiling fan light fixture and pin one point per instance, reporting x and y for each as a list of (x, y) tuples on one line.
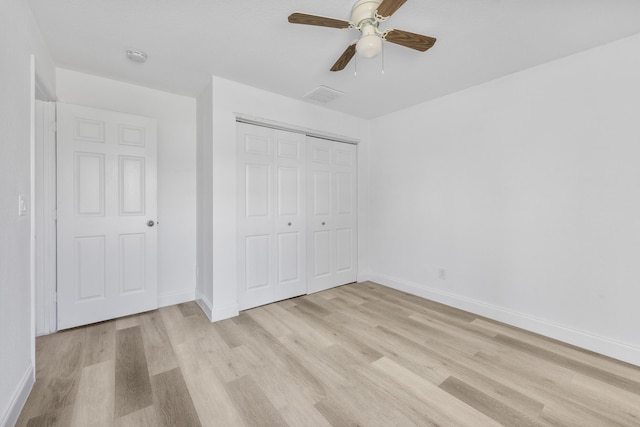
[(369, 46)]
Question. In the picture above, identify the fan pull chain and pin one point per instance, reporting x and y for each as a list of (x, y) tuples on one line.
[(382, 71), (355, 66)]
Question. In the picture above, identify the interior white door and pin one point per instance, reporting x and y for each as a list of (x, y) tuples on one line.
[(107, 237), (332, 214), (271, 215)]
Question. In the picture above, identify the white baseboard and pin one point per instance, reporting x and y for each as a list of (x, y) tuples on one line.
[(224, 312), (602, 345), (204, 304), (10, 417), (216, 313), (176, 297), (364, 277)]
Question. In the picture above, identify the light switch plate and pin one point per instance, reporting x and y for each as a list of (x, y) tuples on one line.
[(22, 206)]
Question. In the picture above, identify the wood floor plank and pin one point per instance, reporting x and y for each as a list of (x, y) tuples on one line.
[(484, 403), (132, 384), (583, 368), (278, 355), (158, 349), (336, 414), (54, 393), (415, 330), (350, 298), (316, 362), (457, 410), (299, 325), (127, 322), (340, 335), (433, 363), (374, 402), (172, 400), (60, 417), (614, 366), (95, 402), (261, 411), (145, 417), (180, 328), (292, 399), (231, 333), (270, 322), (207, 390), (99, 342), (555, 387), (227, 363), (311, 307), (189, 309), (564, 415)]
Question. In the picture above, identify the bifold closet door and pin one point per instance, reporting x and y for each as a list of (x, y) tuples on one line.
[(332, 214), (271, 215)]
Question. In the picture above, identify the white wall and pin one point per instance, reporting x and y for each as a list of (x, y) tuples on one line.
[(204, 211), (176, 117), (229, 98), (525, 190), (19, 39)]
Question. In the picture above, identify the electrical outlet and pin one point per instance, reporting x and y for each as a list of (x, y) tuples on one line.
[(442, 274), (22, 206)]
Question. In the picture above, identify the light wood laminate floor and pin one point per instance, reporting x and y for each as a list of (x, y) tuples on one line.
[(357, 355)]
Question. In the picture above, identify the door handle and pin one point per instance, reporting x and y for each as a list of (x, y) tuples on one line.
[(150, 223)]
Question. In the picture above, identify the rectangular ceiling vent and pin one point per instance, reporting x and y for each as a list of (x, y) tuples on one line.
[(324, 94)]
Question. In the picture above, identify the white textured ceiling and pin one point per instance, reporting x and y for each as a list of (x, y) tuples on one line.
[(250, 41)]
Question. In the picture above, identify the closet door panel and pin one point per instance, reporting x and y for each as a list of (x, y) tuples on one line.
[(271, 215), (255, 215), (345, 212), (291, 215), (332, 214)]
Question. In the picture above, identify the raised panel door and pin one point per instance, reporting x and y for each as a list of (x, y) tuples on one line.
[(290, 217), (256, 272), (271, 215), (107, 253), (332, 220)]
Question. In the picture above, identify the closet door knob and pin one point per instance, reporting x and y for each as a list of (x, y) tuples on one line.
[(322, 222), (150, 223), (289, 224)]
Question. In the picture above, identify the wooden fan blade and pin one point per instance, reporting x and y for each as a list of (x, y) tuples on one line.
[(320, 21), (389, 7), (411, 40), (344, 58)]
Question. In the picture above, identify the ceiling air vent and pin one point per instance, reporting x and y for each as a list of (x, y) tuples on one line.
[(324, 94)]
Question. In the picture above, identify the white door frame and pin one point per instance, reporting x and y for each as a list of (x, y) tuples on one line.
[(40, 91), (44, 212)]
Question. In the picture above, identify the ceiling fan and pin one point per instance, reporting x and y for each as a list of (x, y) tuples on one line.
[(366, 15)]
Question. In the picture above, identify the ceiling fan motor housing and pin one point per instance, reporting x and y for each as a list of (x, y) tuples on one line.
[(364, 11)]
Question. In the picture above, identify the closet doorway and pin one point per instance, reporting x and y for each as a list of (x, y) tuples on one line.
[(297, 214)]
